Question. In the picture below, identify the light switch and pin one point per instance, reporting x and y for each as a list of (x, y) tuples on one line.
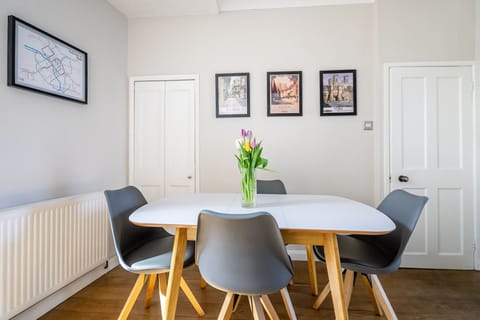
[(368, 125)]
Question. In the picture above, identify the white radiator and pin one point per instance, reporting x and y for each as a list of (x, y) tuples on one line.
[(45, 246)]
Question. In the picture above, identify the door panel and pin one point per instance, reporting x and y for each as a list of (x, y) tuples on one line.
[(450, 200), (412, 137), (431, 124), (180, 158), (149, 142), (449, 112)]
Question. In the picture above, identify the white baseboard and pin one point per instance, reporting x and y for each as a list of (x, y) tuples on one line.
[(50, 302), (297, 252)]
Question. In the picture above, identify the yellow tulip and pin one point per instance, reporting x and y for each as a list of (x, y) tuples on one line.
[(247, 146)]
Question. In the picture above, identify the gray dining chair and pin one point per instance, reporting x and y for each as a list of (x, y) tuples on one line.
[(371, 255), (244, 254), (145, 251), (271, 187), (278, 187)]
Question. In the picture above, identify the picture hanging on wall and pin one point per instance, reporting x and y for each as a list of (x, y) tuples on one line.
[(43, 63), (232, 93), (338, 96), (284, 93)]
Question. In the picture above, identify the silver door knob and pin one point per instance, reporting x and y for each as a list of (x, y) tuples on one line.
[(403, 178), (189, 177)]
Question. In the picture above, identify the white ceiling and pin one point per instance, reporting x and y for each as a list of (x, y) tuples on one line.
[(164, 8)]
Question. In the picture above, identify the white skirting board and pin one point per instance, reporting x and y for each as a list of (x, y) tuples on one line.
[(297, 252)]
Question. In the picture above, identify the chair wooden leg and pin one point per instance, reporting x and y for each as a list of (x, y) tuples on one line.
[(132, 297), (312, 270), (376, 307), (288, 304), (348, 286), (203, 283), (236, 301), (323, 295), (268, 306), (257, 309), (152, 278), (227, 306), (162, 292), (382, 298), (186, 289)]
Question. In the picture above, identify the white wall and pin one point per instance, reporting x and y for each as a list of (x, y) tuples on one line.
[(312, 154), (426, 30), (50, 147)]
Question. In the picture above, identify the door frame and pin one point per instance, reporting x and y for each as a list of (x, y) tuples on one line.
[(131, 120), (385, 185)]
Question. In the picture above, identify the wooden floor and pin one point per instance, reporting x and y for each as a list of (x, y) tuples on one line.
[(414, 294)]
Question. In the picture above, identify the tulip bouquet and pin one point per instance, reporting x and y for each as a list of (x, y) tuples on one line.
[(249, 159)]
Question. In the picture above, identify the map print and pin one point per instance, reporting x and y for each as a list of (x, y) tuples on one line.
[(49, 65)]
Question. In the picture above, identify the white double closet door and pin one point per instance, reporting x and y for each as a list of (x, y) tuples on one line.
[(163, 127)]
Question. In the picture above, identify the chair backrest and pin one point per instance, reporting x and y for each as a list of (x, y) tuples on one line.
[(271, 187), (242, 253), (126, 235), (404, 209)]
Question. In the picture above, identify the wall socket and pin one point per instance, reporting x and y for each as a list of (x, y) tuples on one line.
[(367, 125)]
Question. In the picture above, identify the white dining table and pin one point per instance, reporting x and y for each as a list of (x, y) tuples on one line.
[(302, 219)]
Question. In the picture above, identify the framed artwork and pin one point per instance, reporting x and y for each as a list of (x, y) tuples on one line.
[(232, 94), (338, 93), (284, 93), (43, 63)]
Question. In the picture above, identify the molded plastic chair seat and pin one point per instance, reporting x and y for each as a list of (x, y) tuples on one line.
[(379, 254), (155, 256), (244, 254), (361, 255), (252, 273), (146, 251)]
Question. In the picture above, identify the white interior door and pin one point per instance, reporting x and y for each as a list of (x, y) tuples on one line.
[(163, 148), (432, 146)]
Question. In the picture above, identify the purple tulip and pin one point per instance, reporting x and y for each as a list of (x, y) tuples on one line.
[(244, 133), (254, 144)]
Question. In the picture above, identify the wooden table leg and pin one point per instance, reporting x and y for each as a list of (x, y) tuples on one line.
[(312, 271), (176, 268), (334, 269)]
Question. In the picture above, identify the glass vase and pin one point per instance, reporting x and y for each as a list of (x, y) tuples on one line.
[(249, 187)]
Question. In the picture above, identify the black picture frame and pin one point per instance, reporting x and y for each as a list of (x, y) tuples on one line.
[(232, 95), (338, 92), (43, 63), (284, 93)]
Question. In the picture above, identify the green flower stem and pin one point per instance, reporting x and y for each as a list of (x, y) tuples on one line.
[(249, 187)]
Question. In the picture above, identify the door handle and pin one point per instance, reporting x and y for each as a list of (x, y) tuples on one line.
[(189, 177), (403, 179)]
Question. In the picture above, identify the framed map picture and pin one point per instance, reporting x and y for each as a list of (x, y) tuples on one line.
[(338, 93), (232, 94), (284, 93), (41, 62)]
